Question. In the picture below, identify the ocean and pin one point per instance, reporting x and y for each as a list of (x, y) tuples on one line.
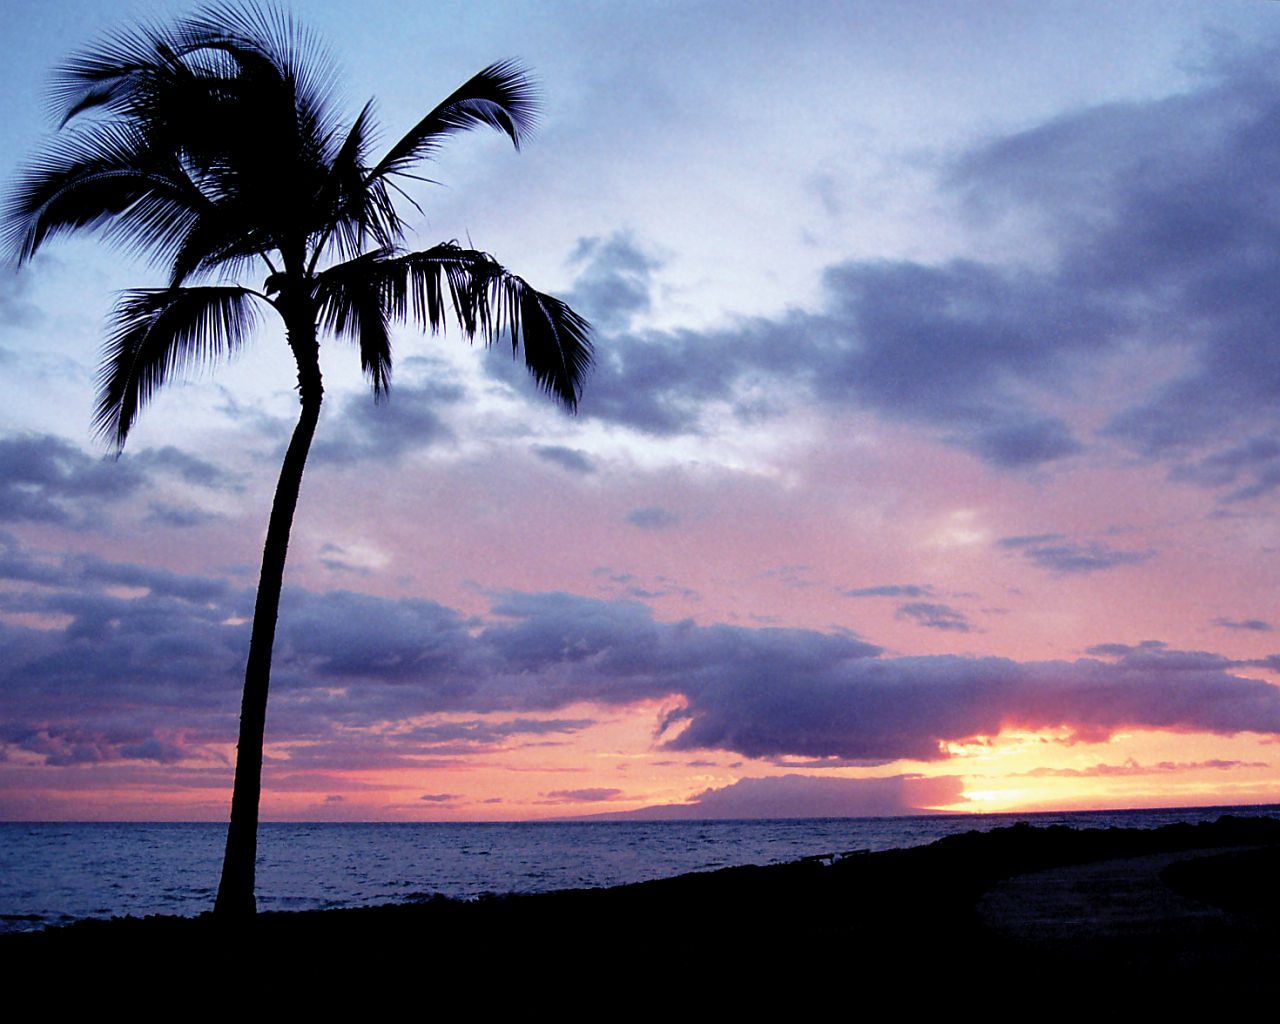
[(55, 873)]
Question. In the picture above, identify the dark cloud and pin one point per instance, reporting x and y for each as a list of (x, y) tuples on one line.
[(1124, 650), (344, 634), (1082, 558), (566, 458), (1257, 458), (336, 558), (476, 736), (406, 421), (655, 382), (939, 345), (439, 798), (934, 616), (163, 582), (309, 747), (145, 677), (652, 518), (177, 517), (1054, 552), (911, 707), (46, 479), (64, 746), (632, 586), (614, 282), (1030, 540), (1156, 231), (573, 796), (807, 796), (1168, 208), (1254, 625), (790, 575), (659, 382), (892, 590), (1152, 654), (1015, 444), (156, 676), (935, 346), (187, 467), (152, 748), (77, 578)]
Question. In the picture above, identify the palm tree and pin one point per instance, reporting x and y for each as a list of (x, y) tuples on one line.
[(212, 148)]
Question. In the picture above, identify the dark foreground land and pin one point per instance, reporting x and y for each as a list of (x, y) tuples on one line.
[(1184, 912)]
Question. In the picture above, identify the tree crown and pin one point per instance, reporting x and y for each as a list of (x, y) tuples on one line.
[(215, 142)]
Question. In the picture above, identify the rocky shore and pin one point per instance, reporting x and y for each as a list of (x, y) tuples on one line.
[(1180, 912)]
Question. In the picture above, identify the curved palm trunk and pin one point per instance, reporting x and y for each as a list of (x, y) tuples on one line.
[(235, 891)]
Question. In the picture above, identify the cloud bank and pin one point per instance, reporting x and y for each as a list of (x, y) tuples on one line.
[(155, 676), (1158, 234)]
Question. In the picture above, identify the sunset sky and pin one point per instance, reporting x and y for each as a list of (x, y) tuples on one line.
[(931, 459)]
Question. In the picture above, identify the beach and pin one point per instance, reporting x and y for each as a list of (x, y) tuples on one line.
[(1187, 909)]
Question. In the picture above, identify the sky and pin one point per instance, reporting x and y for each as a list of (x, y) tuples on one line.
[(930, 462)]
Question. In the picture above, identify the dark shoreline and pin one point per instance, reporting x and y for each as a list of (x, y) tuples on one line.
[(890, 917)]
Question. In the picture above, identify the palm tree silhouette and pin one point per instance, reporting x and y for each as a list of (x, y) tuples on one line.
[(212, 147)]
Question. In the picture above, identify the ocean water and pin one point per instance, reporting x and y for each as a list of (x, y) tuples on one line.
[(55, 873)]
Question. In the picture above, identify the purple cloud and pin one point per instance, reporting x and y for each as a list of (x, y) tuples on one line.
[(1252, 625), (121, 671), (892, 590), (934, 616), (807, 796), (1158, 220), (652, 518), (591, 795), (1054, 552)]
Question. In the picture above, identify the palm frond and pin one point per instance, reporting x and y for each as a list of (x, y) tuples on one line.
[(154, 334), (556, 340), (214, 143), (236, 100), (100, 178), (267, 136), (270, 40), (351, 302), (215, 239), (424, 286), (490, 300), (501, 96), (359, 210), (108, 76)]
